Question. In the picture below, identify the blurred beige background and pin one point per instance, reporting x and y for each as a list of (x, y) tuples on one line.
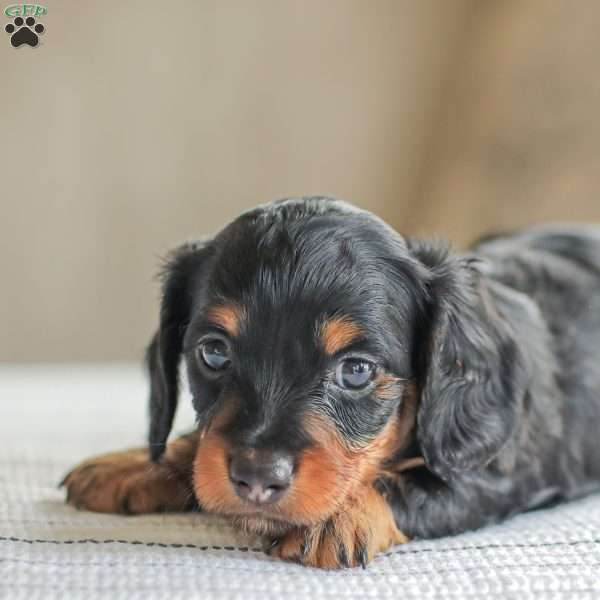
[(136, 125)]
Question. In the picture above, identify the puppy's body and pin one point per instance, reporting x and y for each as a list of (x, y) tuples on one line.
[(545, 283), (355, 388)]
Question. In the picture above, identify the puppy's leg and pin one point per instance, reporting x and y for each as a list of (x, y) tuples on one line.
[(128, 482), (353, 536)]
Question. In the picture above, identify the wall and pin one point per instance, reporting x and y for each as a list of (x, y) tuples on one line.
[(136, 125)]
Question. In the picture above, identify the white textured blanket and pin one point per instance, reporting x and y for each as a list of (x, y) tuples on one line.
[(53, 417)]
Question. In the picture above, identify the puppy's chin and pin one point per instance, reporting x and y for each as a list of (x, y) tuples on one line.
[(272, 520), (260, 525)]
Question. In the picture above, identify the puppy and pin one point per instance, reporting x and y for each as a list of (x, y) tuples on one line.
[(355, 388)]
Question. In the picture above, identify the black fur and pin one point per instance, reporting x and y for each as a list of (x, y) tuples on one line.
[(503, 345), (183, 269)]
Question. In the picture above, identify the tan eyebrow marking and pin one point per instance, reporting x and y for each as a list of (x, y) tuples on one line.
[(227, 316), (337, 333)]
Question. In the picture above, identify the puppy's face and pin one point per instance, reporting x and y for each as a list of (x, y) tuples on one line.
[(308, 329), (299, 352)]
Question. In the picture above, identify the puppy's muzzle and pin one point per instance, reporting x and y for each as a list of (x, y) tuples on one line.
[(260, 476)]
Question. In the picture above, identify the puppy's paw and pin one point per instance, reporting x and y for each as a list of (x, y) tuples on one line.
[(352, 537), (129, 483)]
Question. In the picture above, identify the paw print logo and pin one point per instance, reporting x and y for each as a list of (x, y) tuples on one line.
[(24, 31)]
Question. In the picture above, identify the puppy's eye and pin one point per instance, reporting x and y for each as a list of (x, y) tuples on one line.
[(214, 354), (354, 373)]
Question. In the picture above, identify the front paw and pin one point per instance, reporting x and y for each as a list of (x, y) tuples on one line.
[(352, 537), (127, 482)]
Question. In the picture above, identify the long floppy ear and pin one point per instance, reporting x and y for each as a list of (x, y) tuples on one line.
[(181, 279), (473, 374)]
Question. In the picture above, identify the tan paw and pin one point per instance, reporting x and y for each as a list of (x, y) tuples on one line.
[(128, 482), (352, 537)]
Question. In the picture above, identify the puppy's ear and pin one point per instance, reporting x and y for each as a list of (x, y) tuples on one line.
[(473, 374), (182, 279)]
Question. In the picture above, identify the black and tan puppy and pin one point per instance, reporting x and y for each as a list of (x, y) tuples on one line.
[(355, 388)]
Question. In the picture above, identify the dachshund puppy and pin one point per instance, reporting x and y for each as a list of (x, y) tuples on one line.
[(355, 388)]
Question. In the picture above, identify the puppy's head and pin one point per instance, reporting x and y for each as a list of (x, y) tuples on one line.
[(306, 327)]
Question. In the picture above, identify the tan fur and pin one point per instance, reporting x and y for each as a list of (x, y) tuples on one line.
[(407, 419), (406, 431), (337, 333), (409, 463), (365, 523), (388, 386), (227, 316), (128, 482)]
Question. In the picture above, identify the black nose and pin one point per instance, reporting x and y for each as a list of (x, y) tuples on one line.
[(260, 476)]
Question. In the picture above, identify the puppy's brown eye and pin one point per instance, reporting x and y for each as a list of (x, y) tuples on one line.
[(354, 373), (214, 354)]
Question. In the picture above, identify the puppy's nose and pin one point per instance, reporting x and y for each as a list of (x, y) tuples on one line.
[(260, 476)]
